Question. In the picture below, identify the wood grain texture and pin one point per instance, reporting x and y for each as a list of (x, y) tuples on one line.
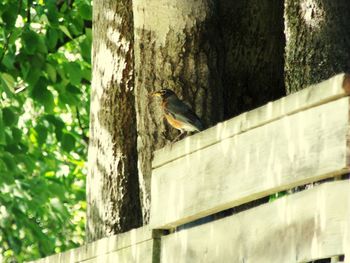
[(302, 227), (329, 90), (137, 245), (297, 149)]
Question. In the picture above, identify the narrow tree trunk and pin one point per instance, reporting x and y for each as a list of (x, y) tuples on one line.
[(177, 46), (253, 53), (318, 41), (112, 185)]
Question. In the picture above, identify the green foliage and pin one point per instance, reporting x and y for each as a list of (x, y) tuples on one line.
[(277, 195), (44, 85)]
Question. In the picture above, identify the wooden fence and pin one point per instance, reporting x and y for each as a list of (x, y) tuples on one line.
[(300, 139)]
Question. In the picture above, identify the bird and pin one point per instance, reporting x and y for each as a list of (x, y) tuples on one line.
[(178, 114)]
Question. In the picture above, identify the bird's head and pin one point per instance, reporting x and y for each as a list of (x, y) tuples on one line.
[(163, 93)]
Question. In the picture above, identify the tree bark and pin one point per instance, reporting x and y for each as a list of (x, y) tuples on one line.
[(253, 53), (317, 41), (177, 46), (112, 185)]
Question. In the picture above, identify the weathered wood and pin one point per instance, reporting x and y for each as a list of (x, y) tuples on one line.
[(302, 227), (137, 245), (141, 252), (300, 148), (326, 91)]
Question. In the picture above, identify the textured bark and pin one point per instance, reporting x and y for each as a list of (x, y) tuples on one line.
[(177, 46), (112, 185), (253, 53), (317, 41)]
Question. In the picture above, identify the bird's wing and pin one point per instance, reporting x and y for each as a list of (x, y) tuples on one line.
[(182, 112)]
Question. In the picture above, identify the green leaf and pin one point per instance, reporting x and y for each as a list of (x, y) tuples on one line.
[(85, 47), (51, 38), (33, 76), (8, 137), (7, 177), (9, 16), (9, 161), (69, 96), (58, 123), (41, 94), (73, 90), (42, 45), (73, 71), (9, 60), (68, 142), (52, 13), (65, 30), (16, 134), (42, 133), (85, 11), (9, 116), (37, 60), (3, 167), (2, 130), (9, 80), (30, 41), (33, 70), (27, 161), (51, 72), (15, 34), (86, 73)]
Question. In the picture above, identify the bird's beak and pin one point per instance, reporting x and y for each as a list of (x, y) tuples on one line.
[(155, 94)]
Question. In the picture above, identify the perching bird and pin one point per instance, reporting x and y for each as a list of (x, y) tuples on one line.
[(178, 114)]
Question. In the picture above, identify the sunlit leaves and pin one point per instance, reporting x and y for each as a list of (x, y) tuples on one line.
[(8, 80), (44, 85)]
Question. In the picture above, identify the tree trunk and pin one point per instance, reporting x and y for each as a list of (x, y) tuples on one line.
[(112, 185), (253, 51), (317, 41), (177, 46)]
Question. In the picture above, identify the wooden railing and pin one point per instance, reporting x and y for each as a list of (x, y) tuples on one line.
[(301, 139)]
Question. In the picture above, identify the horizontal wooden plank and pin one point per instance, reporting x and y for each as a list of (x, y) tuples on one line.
[(302, 227), (140, 253), (125, 243), (297, 149), (329, 90)]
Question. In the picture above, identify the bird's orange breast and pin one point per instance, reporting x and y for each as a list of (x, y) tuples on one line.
[(173, 122)]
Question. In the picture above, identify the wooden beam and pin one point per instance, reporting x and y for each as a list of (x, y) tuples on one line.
[(137, 245), (302, 227), (329, 90), (301, 148)]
